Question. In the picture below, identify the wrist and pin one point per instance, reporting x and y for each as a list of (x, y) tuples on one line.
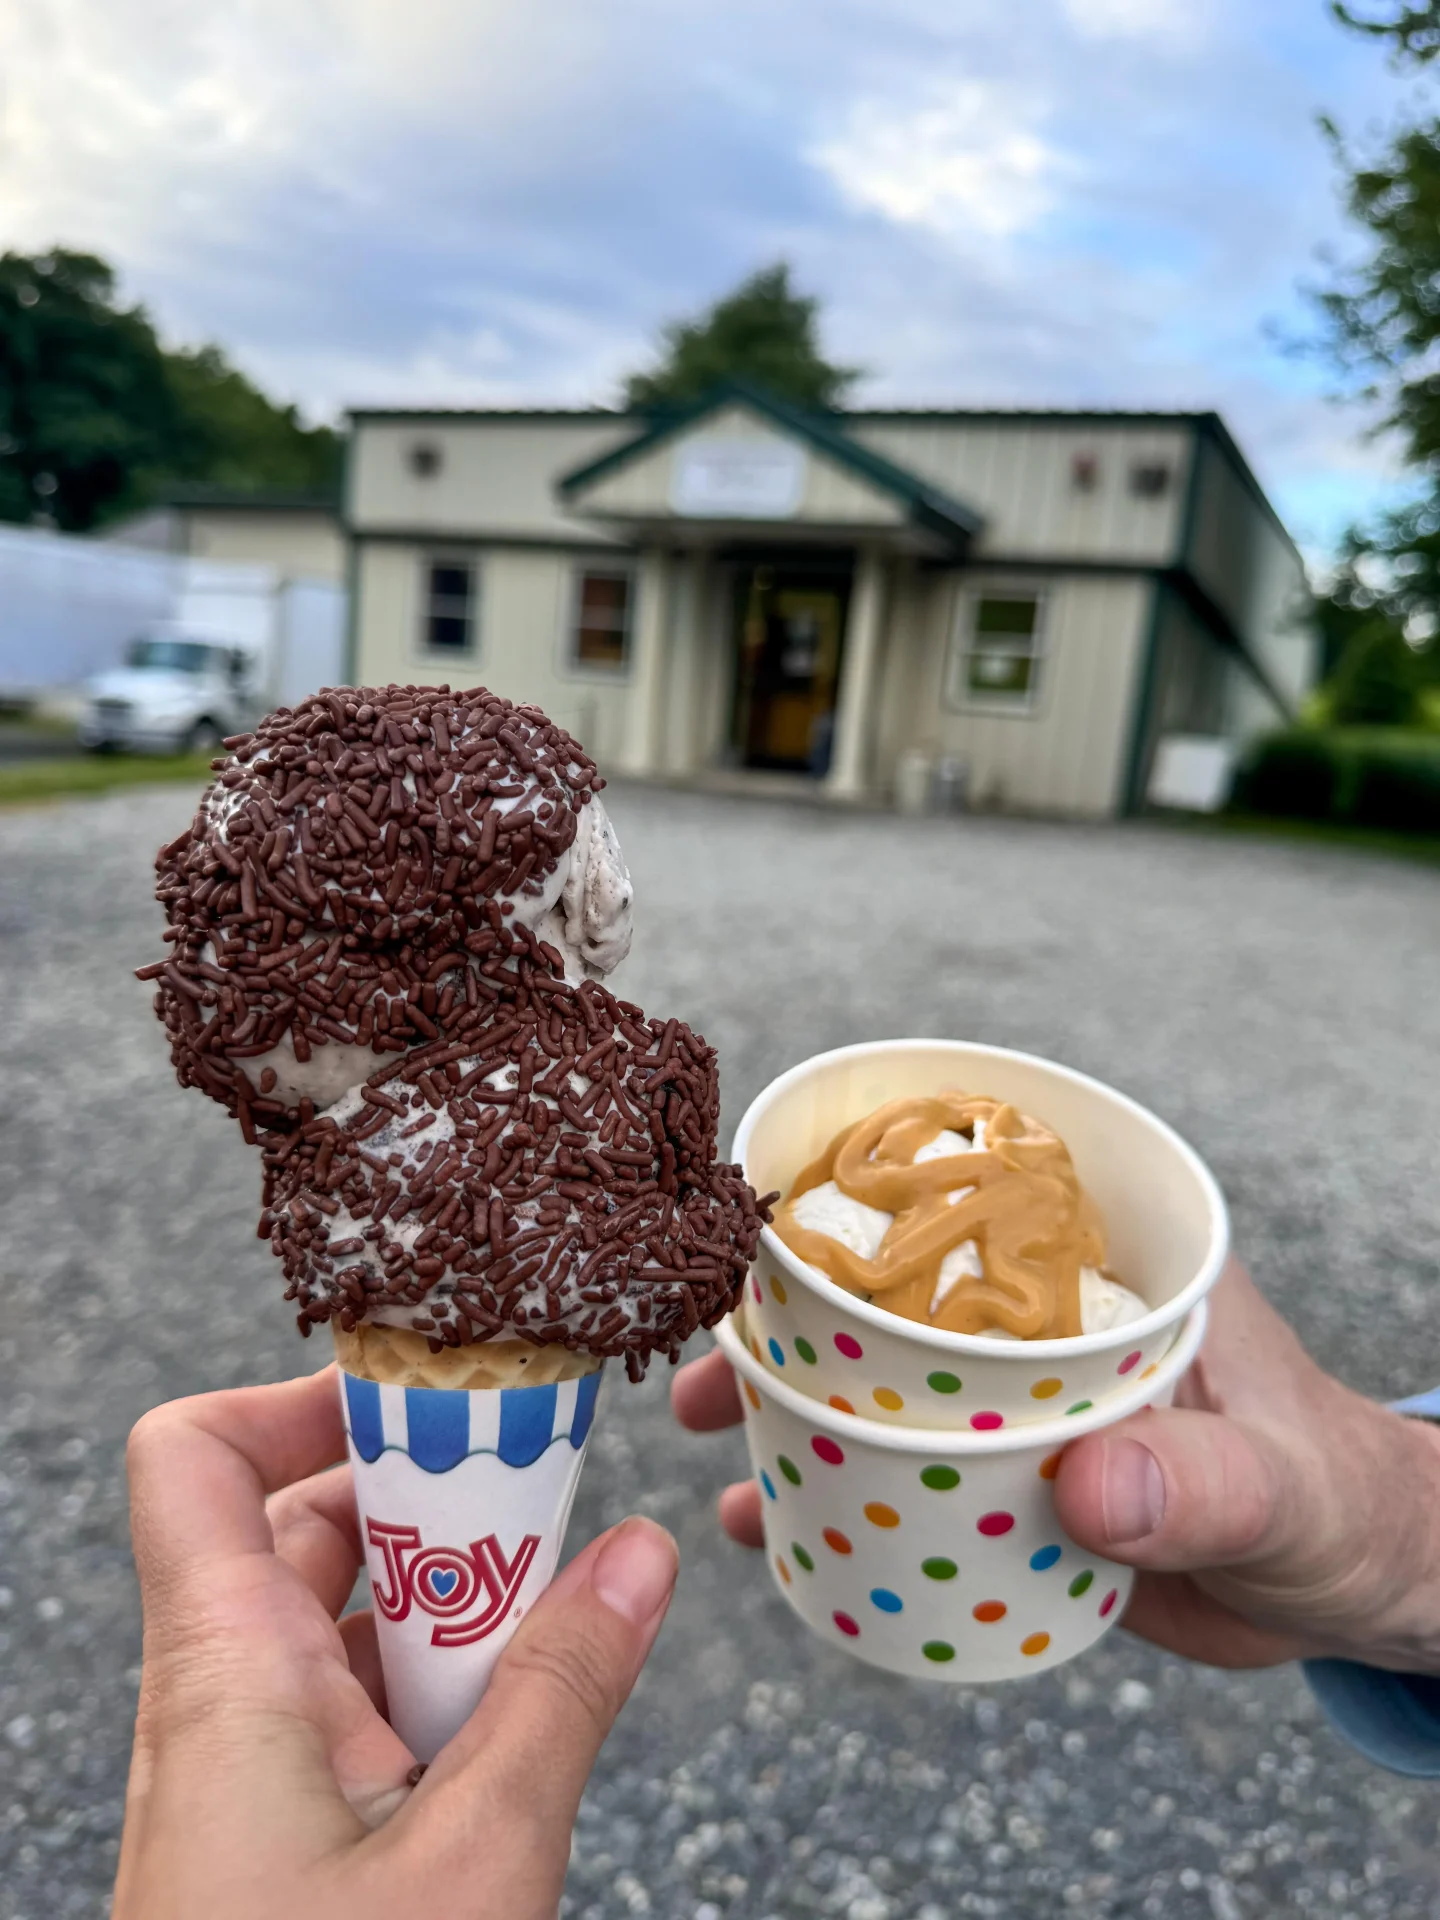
[(1397, 1480)]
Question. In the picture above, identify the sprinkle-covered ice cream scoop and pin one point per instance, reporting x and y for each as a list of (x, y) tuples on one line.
[(387, 926)]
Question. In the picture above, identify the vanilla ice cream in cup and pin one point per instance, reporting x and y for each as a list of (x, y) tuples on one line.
[(933, 1553), (1165, 1228)]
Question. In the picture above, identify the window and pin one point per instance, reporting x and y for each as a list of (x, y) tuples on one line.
[(1084, 472), (1149, 479), (425, 460), (602, 618), (1000, 658), (448, 624)]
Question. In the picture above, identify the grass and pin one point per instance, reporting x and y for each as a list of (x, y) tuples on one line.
[(31, 780), (1421, 847)]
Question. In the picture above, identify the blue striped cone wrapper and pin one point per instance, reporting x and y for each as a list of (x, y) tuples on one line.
[(463, 1497)]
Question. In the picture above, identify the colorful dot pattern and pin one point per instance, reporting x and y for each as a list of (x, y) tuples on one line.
[(940, 1380), (927, 1571), (889, 1601)]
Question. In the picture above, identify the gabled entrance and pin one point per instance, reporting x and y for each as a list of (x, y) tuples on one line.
[(789, 631)]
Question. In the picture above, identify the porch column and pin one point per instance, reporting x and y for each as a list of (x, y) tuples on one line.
[(645, 694), (855, 706)]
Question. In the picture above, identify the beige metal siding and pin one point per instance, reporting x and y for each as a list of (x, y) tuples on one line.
[(1069, 753), (1019, 474), (525, 600), (496, 476), (303, 546), (1248, 567), (829, 496)]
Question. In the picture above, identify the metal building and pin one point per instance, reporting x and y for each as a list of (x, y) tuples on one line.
[(1038, 600)]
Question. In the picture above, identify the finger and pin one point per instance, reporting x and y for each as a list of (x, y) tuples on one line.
[(317, 1532), (519, 1765), (200, 1469), (740, 1513), (704, 1394), (1175, 1491)]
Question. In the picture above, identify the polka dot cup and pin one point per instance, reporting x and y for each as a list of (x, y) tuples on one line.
[(1165, 1219), (933, 1553)]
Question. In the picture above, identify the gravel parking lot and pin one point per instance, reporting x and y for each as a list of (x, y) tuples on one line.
[(1276, 1003)]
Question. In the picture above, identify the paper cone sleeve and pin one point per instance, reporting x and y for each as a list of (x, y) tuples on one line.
[(466, 1464)]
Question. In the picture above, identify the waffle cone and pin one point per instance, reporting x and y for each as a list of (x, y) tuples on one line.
[(398, 1357)]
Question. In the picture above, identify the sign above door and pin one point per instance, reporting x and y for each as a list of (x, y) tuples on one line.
[(737, 479)]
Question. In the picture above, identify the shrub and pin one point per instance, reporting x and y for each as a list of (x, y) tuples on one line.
[(1400, 791), (1289, 773), (1377, 777)]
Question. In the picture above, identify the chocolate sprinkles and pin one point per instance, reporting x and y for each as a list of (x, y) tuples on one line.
[(519, 1156)]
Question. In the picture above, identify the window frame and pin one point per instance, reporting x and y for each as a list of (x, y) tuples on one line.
[(429, 561), (959, 696), (620, 568)]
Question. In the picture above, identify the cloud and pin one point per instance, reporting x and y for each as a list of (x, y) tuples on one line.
[(1165, 20), (472, 202), (968, 159)]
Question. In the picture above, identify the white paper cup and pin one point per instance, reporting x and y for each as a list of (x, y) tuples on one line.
[(933, 1553), (463, 1499), (1166, 1227)]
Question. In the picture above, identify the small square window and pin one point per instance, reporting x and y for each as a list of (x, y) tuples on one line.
[(1000, 660), (1149, 479), (448, 624), (425, 460), (602, 618), (1084, 472)]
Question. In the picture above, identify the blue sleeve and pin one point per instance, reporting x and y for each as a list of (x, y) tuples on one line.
[(1392, 1718)]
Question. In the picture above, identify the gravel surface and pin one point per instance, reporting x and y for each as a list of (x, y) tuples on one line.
[(1276, 1003)]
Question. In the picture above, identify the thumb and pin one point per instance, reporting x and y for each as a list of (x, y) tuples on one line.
[(507, 1787), (1175, 1491)]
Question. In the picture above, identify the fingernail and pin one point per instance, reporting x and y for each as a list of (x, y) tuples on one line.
[(635, 1570), (1132, 1491)]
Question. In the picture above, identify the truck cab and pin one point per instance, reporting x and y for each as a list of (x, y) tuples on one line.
[(174, 694)]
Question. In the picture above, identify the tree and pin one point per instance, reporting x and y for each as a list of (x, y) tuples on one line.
[(1379, 682), (96, 415), (764, 331), (1382, 329), (1413, 32)]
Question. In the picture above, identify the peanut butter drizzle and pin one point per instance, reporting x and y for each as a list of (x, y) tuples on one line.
[(1033, 1224)]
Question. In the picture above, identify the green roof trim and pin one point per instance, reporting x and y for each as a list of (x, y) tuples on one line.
[(927, 506), (195, 495)]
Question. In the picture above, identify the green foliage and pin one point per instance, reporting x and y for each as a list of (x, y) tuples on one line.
[(1386, 778), (1382, 315), (1413, 32), (1339, 615), (232, 436), (1379, 682), (97, 416), (764, 332)]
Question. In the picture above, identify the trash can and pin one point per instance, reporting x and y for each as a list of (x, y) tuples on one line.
[(951, 784), (914, 782)]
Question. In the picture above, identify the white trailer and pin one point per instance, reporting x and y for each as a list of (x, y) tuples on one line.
[(157, 650)]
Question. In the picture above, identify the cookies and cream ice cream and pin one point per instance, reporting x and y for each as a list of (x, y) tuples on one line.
[(960, 1212), (387, 928)]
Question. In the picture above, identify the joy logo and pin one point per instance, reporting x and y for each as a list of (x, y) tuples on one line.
[(447, 1583)]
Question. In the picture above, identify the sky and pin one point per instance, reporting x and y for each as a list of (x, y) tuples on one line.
[(1064, 203)]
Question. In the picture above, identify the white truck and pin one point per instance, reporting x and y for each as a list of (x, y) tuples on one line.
[(158, 652), (176, 693)]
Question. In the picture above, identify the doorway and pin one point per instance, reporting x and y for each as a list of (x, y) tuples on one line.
[(789, 633)]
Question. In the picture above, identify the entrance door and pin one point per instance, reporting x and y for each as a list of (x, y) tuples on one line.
[(791, 623)]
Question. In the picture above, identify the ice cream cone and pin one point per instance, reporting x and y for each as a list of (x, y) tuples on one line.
[(398, 1357), (466, 1464)]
